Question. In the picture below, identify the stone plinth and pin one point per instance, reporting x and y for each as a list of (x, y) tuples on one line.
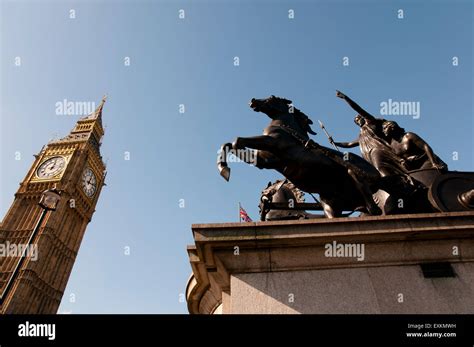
[(420, 263)]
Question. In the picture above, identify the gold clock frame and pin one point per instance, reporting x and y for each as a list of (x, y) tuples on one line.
[(58, 176)]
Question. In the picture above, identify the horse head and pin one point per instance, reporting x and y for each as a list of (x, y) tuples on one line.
[(281, 191), (281, 109)]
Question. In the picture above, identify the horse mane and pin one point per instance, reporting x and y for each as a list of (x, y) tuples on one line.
[(271, 189), (303, 120), (300, 116)]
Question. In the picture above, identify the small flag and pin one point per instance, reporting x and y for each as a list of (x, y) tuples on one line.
[(243, 215)]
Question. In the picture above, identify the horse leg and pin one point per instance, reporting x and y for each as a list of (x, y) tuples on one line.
[(329, 211), (256, 158), (366, 194), (259, 160), (263, 142), (222, 166), (242, 149), (240, 143)]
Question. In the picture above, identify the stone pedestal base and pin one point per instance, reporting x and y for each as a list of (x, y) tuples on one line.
[(392, 264)]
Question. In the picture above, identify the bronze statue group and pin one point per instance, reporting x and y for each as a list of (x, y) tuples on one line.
[(398, 172)]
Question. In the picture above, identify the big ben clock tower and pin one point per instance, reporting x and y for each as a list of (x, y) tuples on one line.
[(35, 282)]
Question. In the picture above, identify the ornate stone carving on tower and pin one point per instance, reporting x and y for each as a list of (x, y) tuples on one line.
[(74, 166)]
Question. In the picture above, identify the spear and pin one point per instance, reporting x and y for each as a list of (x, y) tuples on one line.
[(329, 136)]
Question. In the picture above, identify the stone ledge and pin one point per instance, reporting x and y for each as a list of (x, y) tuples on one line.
[(287, 246)]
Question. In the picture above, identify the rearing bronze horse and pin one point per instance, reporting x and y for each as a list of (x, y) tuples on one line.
[(344, 182)]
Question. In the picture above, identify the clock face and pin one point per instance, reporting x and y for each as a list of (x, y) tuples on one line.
[(88, 182), (51, 167)]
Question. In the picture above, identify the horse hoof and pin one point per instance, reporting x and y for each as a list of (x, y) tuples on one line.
[(375, 210), (225, 172)]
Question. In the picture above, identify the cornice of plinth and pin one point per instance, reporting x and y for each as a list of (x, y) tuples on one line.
[(299, 245), (203, 295)]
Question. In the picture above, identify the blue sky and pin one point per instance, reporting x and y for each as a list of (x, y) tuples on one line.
[(191, 61)]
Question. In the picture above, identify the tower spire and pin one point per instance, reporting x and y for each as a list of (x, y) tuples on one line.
[(98, 110), (97, 114), (88, 129)]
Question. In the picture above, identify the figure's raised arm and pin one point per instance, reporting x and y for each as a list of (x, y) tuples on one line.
[(355, 106)]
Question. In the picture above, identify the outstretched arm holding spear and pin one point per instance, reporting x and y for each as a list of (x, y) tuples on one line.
[(336, 145)]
